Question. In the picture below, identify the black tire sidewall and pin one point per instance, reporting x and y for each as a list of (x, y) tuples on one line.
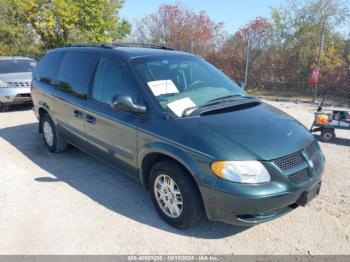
[(188, 191), (325, 132), (47, 118)]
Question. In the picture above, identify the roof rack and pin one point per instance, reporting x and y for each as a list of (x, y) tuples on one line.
[(145, 45), (87, 45), (116, 44)]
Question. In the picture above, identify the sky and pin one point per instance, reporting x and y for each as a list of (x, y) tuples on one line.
[(234, 13)]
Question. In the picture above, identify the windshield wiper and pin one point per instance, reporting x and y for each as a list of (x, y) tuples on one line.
[(220, 99), (212, 102), (189, 109)]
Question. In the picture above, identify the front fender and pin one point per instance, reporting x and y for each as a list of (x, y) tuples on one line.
[(196, 163)]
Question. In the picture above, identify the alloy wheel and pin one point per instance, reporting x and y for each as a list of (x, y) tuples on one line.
[(168, 196)]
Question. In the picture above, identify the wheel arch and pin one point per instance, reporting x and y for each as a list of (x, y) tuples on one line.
[(42, 110), (159, 151), (152, 157)]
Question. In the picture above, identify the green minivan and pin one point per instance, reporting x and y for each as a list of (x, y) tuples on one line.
[(197, 142)]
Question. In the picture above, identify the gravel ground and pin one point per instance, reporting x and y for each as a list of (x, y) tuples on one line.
[(71, 203)]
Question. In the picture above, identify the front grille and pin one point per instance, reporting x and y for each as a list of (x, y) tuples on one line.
[(289, 161), (300, 177), (311, 150), (20, 84), (310, 154)]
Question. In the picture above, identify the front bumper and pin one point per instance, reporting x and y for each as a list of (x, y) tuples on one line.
[(247, 205), (253, 208), (15, 95)]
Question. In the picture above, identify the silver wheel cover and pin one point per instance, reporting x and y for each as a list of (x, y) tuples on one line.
[(48, 133), (168, 196)]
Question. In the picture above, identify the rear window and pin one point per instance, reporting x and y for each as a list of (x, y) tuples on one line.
[(75, 73), (47, 69), (16, 66)]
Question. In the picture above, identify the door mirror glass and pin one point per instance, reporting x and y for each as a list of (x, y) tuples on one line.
[(125, 103)]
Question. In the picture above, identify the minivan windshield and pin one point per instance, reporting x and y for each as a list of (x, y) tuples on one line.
[(16, 66), (180, 83)]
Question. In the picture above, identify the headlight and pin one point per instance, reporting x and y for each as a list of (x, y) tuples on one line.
[(4, 84), (247, 172)]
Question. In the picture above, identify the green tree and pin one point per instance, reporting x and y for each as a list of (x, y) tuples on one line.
[(298, 25), (53, 23), (15, 38), (298, 28), (284, 49)]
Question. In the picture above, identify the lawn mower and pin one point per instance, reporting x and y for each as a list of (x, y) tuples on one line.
[(327, 119)]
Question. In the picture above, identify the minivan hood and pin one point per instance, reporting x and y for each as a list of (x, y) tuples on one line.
[(16, 77), (261, 132)]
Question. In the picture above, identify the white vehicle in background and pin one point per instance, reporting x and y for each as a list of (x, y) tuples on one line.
[(15, 80)]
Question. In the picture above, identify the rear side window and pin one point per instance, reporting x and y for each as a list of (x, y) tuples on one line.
[(75, 73), (112, 79), (46, 70)]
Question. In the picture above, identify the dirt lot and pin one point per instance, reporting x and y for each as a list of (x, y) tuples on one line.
[(73, 204)]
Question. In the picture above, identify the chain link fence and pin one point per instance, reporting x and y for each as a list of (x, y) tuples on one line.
[(274, 76)]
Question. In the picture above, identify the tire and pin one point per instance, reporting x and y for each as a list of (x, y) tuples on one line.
[(55, 144), (327, 135), (192, 210)]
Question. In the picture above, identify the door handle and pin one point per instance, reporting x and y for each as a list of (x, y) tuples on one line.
[(78, 114), (91, 119)]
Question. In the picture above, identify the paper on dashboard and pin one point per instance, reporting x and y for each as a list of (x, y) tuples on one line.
[(162, 87), (179, 106)]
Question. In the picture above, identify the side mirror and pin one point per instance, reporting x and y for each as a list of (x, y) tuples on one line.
[(125, 103)]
